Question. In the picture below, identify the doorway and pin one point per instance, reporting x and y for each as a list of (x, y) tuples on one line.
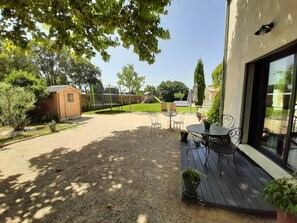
[(273, 120)]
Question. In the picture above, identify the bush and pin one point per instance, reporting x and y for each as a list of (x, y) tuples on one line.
[(49, 116), (214, 111), (15, 102)]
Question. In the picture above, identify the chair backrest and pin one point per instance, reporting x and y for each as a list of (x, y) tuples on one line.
[(154, 118), (235, 136), (228, 121), (172, 107), (182, 117), (164, 107), (228, 143)]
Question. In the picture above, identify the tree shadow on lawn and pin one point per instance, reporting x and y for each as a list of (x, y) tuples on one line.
[(118, 179)]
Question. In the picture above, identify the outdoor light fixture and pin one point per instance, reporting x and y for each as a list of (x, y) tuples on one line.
[(264, 29)]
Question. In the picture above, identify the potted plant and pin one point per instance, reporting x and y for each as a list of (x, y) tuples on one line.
[(282, 194), (207, 123), (183, 135), (199, 116), (191, 181), (52, 125)]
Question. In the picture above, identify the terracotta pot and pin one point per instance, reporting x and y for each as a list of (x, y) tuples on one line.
[(283, 218)]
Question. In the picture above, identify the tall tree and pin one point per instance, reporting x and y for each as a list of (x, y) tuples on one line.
[(167, 89), (87, 26), (130, 79), (151, 89), (53, 65), (200, 81), (83, 74), (14, 58)]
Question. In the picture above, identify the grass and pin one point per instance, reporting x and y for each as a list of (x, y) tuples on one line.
[(152, 107), (33, 130)]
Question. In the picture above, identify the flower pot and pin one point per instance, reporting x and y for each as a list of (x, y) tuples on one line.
[(184, 136), (283, 218), (190, 188), (207, 126), (52, 128)]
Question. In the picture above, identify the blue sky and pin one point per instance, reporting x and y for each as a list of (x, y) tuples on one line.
[(197, 31)]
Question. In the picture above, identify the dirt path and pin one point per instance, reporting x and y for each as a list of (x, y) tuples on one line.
[(109, 169)]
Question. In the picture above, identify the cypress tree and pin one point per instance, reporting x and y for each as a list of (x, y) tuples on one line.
[(200, 81)]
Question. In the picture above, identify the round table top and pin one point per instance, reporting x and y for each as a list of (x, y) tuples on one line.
[(170, 114), (213, 131)]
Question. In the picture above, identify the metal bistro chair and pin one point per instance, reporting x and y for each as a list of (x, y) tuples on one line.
[(155, 124), (226, 145), (228, 121), (178, 123)]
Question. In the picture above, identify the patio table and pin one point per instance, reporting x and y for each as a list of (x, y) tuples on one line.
[(170, 114), (213, 131)]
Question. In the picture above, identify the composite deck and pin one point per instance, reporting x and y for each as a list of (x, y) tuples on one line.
[(237, 192)]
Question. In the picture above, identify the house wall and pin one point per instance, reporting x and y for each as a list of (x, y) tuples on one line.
[(69, 109), (246, 17), (209, 96)]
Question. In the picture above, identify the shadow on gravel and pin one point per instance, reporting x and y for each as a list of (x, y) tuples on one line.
[(122, 178)]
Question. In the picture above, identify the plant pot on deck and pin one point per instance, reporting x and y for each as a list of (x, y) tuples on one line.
[(282, 194), (183, 136), (286, 218), (191, 181)]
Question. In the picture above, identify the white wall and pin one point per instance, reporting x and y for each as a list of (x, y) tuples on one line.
[(246, 17)]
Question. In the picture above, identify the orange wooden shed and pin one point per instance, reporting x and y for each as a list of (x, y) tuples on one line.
[(64, 100)]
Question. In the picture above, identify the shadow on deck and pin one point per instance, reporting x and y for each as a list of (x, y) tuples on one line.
[(233, 192)]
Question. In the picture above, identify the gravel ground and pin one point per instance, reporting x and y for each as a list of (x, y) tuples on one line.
[(108, 169)]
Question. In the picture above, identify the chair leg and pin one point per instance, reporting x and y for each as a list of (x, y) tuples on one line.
[(207, 155)]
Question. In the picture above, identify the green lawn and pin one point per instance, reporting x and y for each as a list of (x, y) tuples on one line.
[(152, 107)]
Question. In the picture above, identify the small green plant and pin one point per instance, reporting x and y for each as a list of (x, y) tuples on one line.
[(191, 174), (52, 123), (49, 116), (282, 194)]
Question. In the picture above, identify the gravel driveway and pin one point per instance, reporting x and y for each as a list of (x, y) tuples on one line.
[(108, 169)]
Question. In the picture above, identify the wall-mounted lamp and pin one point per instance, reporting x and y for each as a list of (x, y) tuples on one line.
[(264, 29)]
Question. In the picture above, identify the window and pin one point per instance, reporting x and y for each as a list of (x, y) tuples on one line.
[(70, 97)]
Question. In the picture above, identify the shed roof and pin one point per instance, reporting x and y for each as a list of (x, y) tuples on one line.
[(56, 88)]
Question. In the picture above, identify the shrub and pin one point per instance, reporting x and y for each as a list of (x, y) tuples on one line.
[(214, 111), (15, 102), (49, 116)]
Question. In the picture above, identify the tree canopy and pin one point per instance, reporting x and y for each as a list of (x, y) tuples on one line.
[(86, 26), (200, 80), (130, 79), (167, 89), (217, 75), (28, 81)]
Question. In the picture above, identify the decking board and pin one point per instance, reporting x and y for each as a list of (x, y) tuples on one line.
[(237, 192)]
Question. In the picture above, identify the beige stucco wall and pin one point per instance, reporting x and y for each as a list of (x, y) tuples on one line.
[(246, 17)]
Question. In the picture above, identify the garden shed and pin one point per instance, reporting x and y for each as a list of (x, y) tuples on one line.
[(63, 100)]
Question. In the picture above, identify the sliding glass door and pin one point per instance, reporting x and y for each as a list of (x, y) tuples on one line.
[(277, 105), (273, 114)]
